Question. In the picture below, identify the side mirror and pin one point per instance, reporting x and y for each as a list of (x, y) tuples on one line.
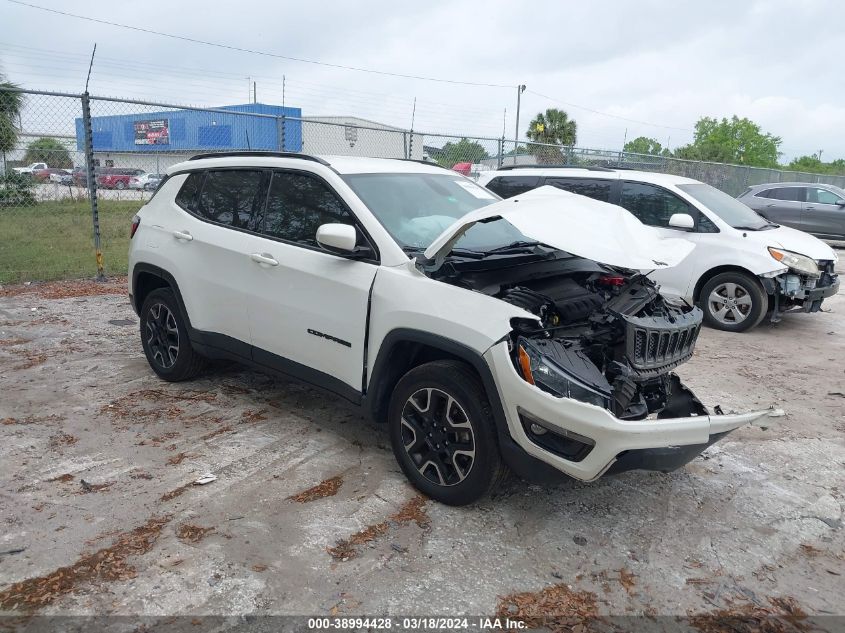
[(682, 221), (337, 238), (840, 202)]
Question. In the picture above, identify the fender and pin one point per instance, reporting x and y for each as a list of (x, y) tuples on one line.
[(377, 396)]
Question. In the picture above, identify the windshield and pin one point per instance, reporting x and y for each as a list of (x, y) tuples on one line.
[(730, 210), (416, 208)]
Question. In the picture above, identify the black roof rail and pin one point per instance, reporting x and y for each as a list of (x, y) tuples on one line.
[(316, 159), (587, 167)]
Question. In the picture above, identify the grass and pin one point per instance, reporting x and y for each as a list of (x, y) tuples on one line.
[(55, 240)]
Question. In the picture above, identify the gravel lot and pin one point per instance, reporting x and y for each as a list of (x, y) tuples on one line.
[(310, 515)]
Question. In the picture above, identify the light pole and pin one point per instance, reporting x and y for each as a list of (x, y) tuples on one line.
[(519, 90)]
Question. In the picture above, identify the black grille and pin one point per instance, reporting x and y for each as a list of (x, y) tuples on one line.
[(656, 343)]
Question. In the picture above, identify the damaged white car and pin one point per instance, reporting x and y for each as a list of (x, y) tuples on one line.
[(489, 335)]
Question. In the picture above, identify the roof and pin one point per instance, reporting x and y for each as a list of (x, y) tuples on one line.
[(603, 174), (352, 121), (341, 164), (771, 185)]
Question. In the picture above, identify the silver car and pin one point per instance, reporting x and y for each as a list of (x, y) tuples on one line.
[(816, 208)]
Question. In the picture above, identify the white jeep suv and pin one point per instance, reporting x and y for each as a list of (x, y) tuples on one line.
[(488, 335), (743, 267)]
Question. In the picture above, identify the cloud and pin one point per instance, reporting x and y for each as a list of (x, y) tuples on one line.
[(665, 65)]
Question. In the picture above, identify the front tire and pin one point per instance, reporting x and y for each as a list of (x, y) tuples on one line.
[(733, 301), (164, 336), (443, 434)]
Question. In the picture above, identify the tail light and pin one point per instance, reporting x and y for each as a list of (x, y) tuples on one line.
[(136, 222)]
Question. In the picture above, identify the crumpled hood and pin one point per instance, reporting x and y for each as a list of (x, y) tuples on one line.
[(790, 239), (576, 224)]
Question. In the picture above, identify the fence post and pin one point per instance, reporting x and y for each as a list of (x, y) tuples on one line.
[(501, 151), (411, 144), (92, 182), (280, 124)]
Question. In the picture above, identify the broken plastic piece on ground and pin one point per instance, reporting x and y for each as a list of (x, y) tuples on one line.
[(207, 478)]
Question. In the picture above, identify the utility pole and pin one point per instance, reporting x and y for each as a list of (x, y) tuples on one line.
[(283, 91), (519, 90), (254, 93)]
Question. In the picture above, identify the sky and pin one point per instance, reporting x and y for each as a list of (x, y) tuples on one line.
[(620, 69)]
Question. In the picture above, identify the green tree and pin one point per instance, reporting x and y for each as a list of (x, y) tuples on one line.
[(11, 103), (734, 140), (464, 151), (814, 165), (643, 145), (48, 150), (552, 127)]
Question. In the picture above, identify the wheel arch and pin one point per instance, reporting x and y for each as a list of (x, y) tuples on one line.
[(146, 278), (718, 270), (403, 349)]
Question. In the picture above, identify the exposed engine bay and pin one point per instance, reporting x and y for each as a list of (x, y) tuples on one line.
[(606, 336)]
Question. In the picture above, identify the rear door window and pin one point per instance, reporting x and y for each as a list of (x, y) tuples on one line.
[(510, 186), (651, 204), (789, 194), (233, 197), (590, 187)]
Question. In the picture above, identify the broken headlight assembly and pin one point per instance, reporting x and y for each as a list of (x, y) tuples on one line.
[(795, 262), (542, 371)]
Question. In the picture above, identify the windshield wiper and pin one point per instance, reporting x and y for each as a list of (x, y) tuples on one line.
[(459, 252), (520, 246)]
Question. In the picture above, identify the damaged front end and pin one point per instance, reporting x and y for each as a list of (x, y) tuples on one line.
[(608, 339), (801, 290)]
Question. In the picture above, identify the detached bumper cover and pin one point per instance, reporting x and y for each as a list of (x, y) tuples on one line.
[(662, 444)]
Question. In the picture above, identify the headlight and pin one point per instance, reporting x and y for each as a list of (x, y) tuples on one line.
[(548, 376), (799, 263)]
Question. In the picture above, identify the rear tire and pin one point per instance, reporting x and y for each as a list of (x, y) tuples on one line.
[(733, 302), (443, 433), (164, 336)]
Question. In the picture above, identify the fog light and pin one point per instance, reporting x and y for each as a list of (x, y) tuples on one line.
[(536, 429)]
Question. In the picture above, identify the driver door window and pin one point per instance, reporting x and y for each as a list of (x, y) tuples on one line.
[(822, 196), (298, 205)]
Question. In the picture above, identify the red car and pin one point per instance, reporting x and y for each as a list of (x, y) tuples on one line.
[(116, 177)]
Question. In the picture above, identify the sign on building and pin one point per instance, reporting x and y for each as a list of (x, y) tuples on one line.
[(156, 132)]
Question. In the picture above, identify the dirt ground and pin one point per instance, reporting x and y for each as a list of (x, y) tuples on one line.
[(310, 514)]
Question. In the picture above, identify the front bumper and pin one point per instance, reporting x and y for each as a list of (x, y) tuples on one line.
[(662, 444)]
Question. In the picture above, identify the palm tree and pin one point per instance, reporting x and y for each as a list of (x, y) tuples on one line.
[(553, 126), (11, 103)]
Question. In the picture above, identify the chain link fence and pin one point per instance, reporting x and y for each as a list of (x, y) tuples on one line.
[(70, 183)]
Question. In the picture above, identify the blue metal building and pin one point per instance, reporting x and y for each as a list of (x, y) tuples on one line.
[(190, 131)]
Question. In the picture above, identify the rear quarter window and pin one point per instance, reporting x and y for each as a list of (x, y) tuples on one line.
[(590, 187), (187, 196), (510, 186)]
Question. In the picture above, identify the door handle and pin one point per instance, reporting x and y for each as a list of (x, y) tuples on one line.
[(183, 235), (264, 259)]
